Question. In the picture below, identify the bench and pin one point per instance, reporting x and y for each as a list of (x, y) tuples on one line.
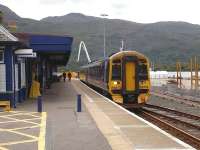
[(5, 104)]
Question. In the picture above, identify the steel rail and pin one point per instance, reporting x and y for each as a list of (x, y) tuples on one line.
[(173, 119), (188, 136), (172, 110), (176, 98)]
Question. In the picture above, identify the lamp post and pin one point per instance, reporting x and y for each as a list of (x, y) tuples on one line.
[(104, 35)]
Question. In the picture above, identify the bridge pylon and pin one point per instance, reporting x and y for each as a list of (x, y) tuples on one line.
[(82, 45)]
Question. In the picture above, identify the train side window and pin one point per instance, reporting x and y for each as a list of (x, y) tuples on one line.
[(101, 74), (116, 70), (107, 71)]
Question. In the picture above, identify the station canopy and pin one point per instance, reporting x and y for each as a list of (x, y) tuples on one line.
[(56, 49)]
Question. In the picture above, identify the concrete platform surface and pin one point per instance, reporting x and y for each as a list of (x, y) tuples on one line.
[(65, 128), (125, 130)]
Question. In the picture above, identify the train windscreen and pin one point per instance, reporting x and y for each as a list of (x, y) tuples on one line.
[(143, 72), (116, 72)]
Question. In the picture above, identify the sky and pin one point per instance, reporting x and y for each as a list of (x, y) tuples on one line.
[(142, 11)]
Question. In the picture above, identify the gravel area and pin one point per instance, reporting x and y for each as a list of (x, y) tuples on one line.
[(173, 104), (170, 88)]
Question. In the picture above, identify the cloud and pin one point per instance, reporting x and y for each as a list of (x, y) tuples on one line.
[(144, 11), (119, 6), (52, 1)]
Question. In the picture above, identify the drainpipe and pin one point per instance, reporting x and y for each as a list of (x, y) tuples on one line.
[(14, 93)]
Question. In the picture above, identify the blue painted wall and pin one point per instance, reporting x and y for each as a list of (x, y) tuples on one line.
[(17, 96), (8, 55), (8, 60)]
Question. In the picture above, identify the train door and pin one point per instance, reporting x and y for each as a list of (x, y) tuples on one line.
[(130, 75)]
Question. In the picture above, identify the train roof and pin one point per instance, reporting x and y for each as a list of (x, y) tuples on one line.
[(100, 61), (133, 52), (95, 63)]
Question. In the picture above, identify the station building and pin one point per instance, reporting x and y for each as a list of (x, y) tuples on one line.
[(24, 56)]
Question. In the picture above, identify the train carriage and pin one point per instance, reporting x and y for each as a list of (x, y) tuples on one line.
[(124, 76)]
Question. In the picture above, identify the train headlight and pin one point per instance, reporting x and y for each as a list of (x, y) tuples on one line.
[(116, 85), (142, 82)]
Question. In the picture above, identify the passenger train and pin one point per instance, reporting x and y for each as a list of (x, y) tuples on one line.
[(124, 76)]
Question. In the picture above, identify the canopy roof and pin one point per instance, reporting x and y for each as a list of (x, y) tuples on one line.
[(55, 48)]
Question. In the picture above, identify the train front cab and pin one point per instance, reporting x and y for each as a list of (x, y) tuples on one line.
[(129, 81)]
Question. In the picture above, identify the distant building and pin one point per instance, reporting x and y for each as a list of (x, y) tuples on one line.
[(158, 74)]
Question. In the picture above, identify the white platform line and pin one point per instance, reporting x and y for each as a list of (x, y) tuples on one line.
[(89, 98), (131, 126), (150, 124), (159, 149)]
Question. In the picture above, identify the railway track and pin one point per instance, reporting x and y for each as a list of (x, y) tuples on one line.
[(182, 125), (181, 99)]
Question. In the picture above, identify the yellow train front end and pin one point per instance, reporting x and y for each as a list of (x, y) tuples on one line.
[(129, 78)]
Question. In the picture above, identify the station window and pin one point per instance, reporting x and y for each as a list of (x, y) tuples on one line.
[(1, 55)]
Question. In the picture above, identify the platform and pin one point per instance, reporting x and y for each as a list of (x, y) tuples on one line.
[(65, 128), (125, 130), (102, 125)]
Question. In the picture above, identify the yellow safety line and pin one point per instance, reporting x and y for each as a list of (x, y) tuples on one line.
[(24, 134), (17, 142), (6, 112), (20, 120), (41, 140), (3, 148), (28, 127), (13, 112), (17, 114), (42, 125), (32, 114)]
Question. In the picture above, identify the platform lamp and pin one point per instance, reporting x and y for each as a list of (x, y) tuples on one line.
[(104, 35), (104, 41)]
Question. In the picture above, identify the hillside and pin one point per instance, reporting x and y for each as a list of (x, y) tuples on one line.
[(162, 42)]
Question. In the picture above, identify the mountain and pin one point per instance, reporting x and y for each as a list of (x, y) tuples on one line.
[(163, 42), (72, 17), (8, 13)]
